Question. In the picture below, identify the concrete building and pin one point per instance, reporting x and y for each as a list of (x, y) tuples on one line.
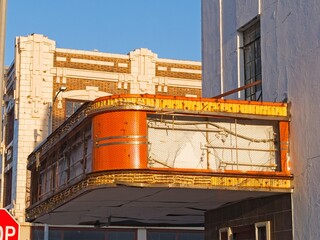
[(45, 85), (276, 42)]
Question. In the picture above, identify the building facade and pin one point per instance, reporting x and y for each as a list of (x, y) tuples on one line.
[(45, 85), (162, 162), (273, 45)]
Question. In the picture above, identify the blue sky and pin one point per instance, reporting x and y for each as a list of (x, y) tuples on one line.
[(170, 28)]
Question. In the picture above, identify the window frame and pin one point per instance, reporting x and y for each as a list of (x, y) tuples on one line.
[(253, 93), (9, 126), (257, 225), (7, 198), (227, 230), (265, 224), (74, 102)]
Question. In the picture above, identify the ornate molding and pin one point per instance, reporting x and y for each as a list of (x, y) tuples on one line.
[(166, 179)]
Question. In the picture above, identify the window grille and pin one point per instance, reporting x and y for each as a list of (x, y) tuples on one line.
[(252, 61)]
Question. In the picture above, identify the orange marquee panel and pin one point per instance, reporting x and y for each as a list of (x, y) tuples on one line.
[(120, 140)]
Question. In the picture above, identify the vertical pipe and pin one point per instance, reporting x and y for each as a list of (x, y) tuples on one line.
[(221, 47), (3, 15), (237, 151), (240, 62), (46, 232), (259, 7), (207, 141), (142, 234)]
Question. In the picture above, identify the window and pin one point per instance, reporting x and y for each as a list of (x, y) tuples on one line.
[(262, 231), (252, 61), (8, 156), (7, 188), (225, 234), (9, 127), (72, 106), (257, 231), (243, 232), (174, 235), (55, 233)]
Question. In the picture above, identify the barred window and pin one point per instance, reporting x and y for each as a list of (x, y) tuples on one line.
[(252, 61)]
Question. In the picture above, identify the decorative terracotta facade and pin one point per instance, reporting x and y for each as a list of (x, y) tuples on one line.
[(46, 84)]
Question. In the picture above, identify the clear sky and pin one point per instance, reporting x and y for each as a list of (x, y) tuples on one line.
[(170, 28)]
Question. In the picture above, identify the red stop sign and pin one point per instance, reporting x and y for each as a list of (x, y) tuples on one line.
[(9, 227)]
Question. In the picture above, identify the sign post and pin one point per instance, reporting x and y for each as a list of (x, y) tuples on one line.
[(9, 227)]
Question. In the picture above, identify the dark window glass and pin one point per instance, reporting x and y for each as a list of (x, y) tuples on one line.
[(9, 126), (223, 236), (252, 62), (246, 232), (121, 236), (83, 235), (37, 233), (262, 233), (56, 233), (191, 236), (7, 188), (161, 236), (175, 235)]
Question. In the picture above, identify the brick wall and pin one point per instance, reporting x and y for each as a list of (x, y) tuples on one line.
[(58, 114), (139, 72), (94, 63), (175, 70)]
